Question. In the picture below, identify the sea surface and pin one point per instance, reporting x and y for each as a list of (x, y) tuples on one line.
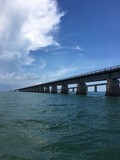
[(41, 126)]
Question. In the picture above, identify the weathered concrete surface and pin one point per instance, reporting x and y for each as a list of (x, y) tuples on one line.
[(81, 88), (64, 89), (54, 89), (95, 88), (112, 88), (47, 90), (41, 89)]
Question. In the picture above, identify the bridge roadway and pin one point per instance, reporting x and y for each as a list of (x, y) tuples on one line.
[(110, 74)]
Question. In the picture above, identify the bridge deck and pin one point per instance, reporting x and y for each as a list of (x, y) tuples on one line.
[(98, 75)]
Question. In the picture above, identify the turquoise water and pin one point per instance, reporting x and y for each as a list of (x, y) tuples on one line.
[(40, 126)]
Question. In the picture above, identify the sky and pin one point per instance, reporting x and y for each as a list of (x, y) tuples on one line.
[(45, 40)]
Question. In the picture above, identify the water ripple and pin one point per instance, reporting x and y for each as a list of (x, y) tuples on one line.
[(59, 127)]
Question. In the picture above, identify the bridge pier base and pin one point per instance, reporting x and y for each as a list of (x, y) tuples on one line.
[(31, 90), (34, 89), (37, 89), (95, 88), (64, 89), (54, 89), (47, 90), (41, 89), (81, 88), (112, 88), (73, 89)]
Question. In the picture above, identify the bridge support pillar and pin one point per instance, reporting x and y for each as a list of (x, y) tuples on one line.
[(112, 88), (95, 88), (47, 90), (81, 88), (36, 89), (33, 89), (54, 89), (64, 89), (41, 89)]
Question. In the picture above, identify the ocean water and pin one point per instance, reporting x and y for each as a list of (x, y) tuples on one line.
[(41, 126)]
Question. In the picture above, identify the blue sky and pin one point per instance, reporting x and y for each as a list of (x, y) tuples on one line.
[(44, 40)]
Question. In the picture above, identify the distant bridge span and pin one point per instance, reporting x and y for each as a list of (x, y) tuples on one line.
[(110, 74)]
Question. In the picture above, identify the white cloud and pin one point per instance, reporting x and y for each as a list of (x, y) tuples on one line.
[(40, 64), (79, 48), (10, 81), (25, 25), (63, 50), (65, 70), (13, 77), (57, 74)]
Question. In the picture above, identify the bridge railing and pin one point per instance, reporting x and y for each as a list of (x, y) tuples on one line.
[(89, 73), (100, 70), (80, 75)]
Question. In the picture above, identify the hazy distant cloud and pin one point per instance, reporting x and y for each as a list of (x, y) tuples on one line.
[(62, 50), (25, 25), (11, 81), (79, 48), (65, 70), (18, 77), (40, 63), (56, 74)]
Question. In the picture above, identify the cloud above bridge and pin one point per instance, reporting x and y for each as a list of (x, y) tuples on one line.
[(26, 25)]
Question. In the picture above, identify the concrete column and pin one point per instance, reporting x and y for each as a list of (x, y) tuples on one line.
[(47, 89), (54, 89), (112, 88), (73, 89), (42, 89), (35, 89), (95, 88), (38, 89), (64, 89), (81, 88), (32, 89)]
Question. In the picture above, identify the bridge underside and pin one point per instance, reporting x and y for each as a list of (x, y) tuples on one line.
[(112, 88), (111, 75)]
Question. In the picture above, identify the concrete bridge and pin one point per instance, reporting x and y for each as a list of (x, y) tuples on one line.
[(111, 75)]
